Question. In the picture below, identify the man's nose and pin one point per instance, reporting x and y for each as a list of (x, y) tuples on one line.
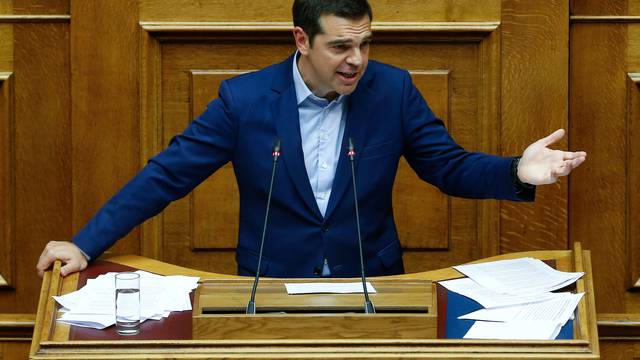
[(355, 58)]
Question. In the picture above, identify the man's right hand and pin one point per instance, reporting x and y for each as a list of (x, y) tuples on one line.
[(73, 259)]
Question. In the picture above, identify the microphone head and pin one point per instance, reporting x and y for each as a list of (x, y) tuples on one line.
[(276, 148), (352, 152)]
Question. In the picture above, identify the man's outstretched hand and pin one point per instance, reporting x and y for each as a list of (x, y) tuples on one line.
[(540, 165), (67, 252)]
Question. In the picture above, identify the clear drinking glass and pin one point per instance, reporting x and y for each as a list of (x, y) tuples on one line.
[(128, 303)]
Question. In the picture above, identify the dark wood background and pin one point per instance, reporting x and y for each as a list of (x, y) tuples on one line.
[(90, 89)]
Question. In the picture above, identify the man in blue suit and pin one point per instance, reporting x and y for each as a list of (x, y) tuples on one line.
[(324, 94)]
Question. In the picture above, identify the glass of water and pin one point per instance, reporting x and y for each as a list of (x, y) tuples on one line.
[(128, 303)]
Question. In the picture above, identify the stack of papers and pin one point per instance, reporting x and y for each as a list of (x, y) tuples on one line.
[(517, 299), (94, 304)]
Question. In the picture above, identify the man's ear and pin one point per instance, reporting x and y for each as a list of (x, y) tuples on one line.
[(301, 39)]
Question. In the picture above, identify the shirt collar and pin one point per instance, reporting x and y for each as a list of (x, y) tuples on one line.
[(302, 90)]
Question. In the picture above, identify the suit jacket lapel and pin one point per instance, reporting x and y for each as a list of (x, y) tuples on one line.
[(284, 110), (358, 114)]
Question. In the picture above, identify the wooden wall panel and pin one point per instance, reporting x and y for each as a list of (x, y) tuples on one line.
[(40, 7), (34, 169), (15, 335), (599, 7), (422, 213), (215, 203), (42, 151), (179, 57), (38, 147), (6, 47), (192, 223), (598, 109), (7, 181), (7, 134), (633, 180), (280, 10), (469, 60), (534, 103), (105, 108), (15, 350), (605, 110)]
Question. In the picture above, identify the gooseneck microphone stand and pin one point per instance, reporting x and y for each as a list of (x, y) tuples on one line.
[(251, 306), (368, 305)]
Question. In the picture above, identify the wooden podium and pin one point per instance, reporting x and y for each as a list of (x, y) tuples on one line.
[(172, 338), (405, 309)]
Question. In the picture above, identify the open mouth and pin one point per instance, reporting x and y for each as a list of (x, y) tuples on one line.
[(348, 75)]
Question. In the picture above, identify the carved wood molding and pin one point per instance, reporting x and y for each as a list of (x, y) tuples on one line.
[(7, 213), (619, 327), (604, 19), (466, 27), (16, 327), (632, 231), (34, 18)]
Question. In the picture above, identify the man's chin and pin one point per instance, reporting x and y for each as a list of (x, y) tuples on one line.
[(347, 90)]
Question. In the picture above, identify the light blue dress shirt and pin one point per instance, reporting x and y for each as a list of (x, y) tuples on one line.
[(322, 126)]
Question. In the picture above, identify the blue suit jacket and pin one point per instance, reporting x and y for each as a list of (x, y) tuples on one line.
[(387, 118)]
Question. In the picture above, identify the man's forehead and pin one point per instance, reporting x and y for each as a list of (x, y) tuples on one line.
[(336, 27)]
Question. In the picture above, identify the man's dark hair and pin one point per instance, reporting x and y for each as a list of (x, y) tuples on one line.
[(307, 13)]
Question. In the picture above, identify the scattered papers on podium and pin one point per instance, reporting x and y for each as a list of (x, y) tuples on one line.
[(94, 304), (517, 298)]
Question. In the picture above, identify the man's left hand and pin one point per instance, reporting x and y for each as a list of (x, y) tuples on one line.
[(540, 165)]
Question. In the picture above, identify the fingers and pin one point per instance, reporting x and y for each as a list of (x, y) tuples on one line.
[(46, 258), (568, 165), (553, 137), (72, 266), (567, 155), (65, 251)]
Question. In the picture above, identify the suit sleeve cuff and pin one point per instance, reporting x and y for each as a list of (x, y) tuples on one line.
[(524, 191)]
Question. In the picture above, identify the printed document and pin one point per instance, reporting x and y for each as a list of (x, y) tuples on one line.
[(518, 276), (559, 308), (514, 330), (94, 304)]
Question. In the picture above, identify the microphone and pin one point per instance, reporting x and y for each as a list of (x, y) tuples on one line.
[(251, 306), (368, 305)]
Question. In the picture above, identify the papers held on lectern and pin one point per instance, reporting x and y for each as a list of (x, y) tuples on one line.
[(517, 298), (94, 304)]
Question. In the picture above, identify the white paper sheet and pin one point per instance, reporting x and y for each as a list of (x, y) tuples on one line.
[(95, 321), (489, 298), (518, 276), (94, 304), (514, 330), (328, 288), (558, 309)]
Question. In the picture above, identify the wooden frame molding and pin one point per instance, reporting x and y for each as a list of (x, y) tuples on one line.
[(34, 18), (619, 327), (16, 327), (604, 19), (7, 181), (164, 26), (632, 231)]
